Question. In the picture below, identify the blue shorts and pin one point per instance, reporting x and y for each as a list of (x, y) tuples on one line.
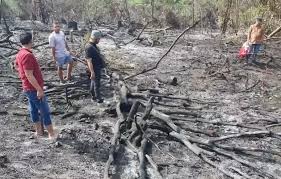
[(64, 60), (39, 109)]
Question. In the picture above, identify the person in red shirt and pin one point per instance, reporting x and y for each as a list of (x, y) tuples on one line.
[(32, 83)]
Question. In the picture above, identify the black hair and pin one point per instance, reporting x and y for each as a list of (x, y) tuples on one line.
[(259, 19), (25, 38)]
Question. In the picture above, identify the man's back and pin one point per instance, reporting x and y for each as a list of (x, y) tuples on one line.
[(93, 52), (25, 60)]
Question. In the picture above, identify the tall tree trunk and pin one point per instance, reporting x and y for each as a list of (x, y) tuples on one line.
[(1, 11), (237, 23), (193, 12), (127, 10), (152, 9), (226, 16), (39, 11)]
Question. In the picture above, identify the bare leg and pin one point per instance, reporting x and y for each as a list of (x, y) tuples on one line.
[(51, 132), (60, 73), (38, 128), (69, 70)]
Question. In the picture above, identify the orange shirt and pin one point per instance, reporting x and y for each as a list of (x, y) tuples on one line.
[(256, 34)]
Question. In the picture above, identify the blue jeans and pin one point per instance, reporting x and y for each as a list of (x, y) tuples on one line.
[(95, 85), (254, 50), (38, 108)]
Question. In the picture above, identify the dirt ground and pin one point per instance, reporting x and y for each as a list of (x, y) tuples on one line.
[(207, 69)]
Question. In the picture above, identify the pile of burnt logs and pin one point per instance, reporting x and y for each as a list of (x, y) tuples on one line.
[(137, 110)]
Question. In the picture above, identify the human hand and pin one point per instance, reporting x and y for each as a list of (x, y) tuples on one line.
[(40, 94), (92, 77)]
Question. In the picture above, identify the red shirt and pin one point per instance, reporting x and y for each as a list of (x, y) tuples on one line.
[(25, 60)]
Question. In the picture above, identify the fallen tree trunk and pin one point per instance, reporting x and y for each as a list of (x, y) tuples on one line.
[(114, 141), (274, 32)]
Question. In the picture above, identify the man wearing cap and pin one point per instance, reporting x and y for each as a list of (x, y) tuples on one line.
[(95, 64), (255, 38), (60, 52)]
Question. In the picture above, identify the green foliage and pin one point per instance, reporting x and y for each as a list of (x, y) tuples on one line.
[(12, 5), (113, 10)]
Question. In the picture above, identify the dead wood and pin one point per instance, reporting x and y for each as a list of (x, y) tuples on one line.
[(274, 32), (244, 162), (141, 155), (273, 125), (8, 47), (240, 172), (199, 152), (216, 122), (170, 81), (146, 95), (4, 57), (41, 44), (164, 29), (166, 119), (116, 41), (245, 134), (138, 37), (6, 39), (180, 112), (123, 92), (194, 148), (167, 52), (67, 115), (132, 113), (251, 87), (186, 127), (153, 165), (114, 141), (251, 149), (219, 167), (3, 112)]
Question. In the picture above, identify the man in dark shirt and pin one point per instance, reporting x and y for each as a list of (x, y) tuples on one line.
[(95, 64), (32, 83)]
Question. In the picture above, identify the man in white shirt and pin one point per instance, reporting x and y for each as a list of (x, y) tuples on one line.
[(60, 52)]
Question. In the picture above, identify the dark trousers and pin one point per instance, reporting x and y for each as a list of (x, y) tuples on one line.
[(95, 85)]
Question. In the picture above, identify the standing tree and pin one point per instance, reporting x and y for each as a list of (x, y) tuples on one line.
[(226, 16), (39, 11)]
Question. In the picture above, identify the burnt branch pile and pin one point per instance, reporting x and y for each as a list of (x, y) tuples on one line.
[(142, 115)]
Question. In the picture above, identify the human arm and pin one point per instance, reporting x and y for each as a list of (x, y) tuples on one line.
[(32, 80), (91, 68), (264, 36), (89, 57), (53, 46), (66, 46), (54, 53), (249, 34)]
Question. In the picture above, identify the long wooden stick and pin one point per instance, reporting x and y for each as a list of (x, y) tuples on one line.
[(163, 56)]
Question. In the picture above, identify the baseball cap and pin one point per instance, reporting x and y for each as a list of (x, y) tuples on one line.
[(96, 34)]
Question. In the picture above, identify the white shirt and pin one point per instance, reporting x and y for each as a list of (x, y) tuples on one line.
[(57, 40)]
